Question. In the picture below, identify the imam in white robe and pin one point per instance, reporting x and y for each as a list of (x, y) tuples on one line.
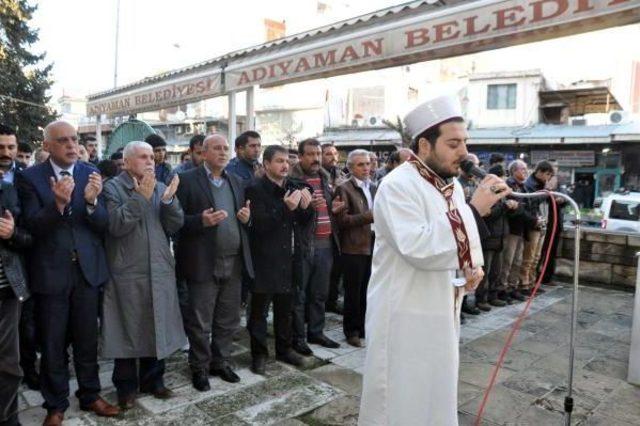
[(412, 327)]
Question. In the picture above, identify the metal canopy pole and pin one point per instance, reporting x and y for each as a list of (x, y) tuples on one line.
[(232, 119), (99, 136), (251, 119)]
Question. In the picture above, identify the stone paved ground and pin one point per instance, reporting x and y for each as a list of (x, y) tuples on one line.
[(529, 390)]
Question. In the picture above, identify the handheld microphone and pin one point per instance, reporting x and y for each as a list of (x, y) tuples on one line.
[(469, 168)]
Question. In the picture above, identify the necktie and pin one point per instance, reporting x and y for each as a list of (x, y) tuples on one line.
[(67, 209)]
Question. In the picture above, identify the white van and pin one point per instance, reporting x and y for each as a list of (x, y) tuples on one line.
[(621, 212)]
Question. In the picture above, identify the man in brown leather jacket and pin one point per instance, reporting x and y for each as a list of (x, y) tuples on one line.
[(356, 241)]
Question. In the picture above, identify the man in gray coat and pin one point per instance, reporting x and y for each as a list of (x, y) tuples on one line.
[(141, 320)]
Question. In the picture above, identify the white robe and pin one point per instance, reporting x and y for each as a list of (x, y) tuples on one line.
[(411, 367)]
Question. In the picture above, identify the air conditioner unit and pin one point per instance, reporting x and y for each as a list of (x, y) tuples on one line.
[(357, 122), (374, 121), (619, 117)]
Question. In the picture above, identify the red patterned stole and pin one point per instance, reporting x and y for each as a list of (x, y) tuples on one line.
[(457, 225)]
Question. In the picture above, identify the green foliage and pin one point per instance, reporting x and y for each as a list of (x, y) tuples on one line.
[(23, 77), (398, 126)]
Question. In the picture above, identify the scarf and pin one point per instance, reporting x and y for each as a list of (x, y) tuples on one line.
[(455, 220)]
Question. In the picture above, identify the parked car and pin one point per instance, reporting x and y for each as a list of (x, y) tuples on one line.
[(621, 212)]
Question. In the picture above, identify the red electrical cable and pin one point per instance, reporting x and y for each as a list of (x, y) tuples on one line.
[(516, 325)]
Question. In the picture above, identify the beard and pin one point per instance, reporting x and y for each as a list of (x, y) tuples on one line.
[(435, 164)]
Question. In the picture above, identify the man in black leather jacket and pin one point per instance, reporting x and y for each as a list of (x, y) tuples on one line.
[(13, 291)]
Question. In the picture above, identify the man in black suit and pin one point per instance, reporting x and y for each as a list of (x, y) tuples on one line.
[(9, 149), (281, 230), (62, 210), (13, 294), (212, 253)]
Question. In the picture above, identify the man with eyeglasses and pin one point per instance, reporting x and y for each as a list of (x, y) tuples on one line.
[(62, 210)]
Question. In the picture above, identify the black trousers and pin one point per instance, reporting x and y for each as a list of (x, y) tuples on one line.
[(551, 267), (28, 338), (357, 270), (489, 286), (282, 316), (128, 377), (10, 371), (69, 318), (334, 279)]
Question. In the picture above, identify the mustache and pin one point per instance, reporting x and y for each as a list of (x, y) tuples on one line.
[(315, 163), (4, 157)]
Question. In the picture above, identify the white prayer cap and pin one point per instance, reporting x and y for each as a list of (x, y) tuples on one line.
[(432, 113)]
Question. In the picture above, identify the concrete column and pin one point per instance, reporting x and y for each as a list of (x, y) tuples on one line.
[(251, 118), (232, 120)]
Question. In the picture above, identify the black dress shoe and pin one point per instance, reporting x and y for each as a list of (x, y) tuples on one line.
[(200, 382), (161, 392), (497, 302), (323, 340), (483, 306), (335, 308), (302, 348), (32, 380), (291, 357), (226, 374), (471, 310), (126, 402), (258, 365), (355, 342), (516, 295)]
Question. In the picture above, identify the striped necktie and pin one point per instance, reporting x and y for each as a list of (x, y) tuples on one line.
[(67, 210)]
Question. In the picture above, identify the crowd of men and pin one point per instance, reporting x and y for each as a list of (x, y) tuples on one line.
[(140, 259), (515, 250)]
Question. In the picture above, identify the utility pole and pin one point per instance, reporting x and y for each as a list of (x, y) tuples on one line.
[(115, 67)]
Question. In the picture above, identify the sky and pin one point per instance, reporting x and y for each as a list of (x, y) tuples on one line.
[(78, 36)]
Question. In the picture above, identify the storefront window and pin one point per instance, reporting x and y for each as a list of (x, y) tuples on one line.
[(610, 160)]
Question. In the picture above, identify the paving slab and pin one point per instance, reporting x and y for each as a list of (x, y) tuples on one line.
[(291, 404), (341, 411), (186, 395), (608, 367), (342, 378), (623, 404), (479, 373), (533, 382), (503, 406)]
